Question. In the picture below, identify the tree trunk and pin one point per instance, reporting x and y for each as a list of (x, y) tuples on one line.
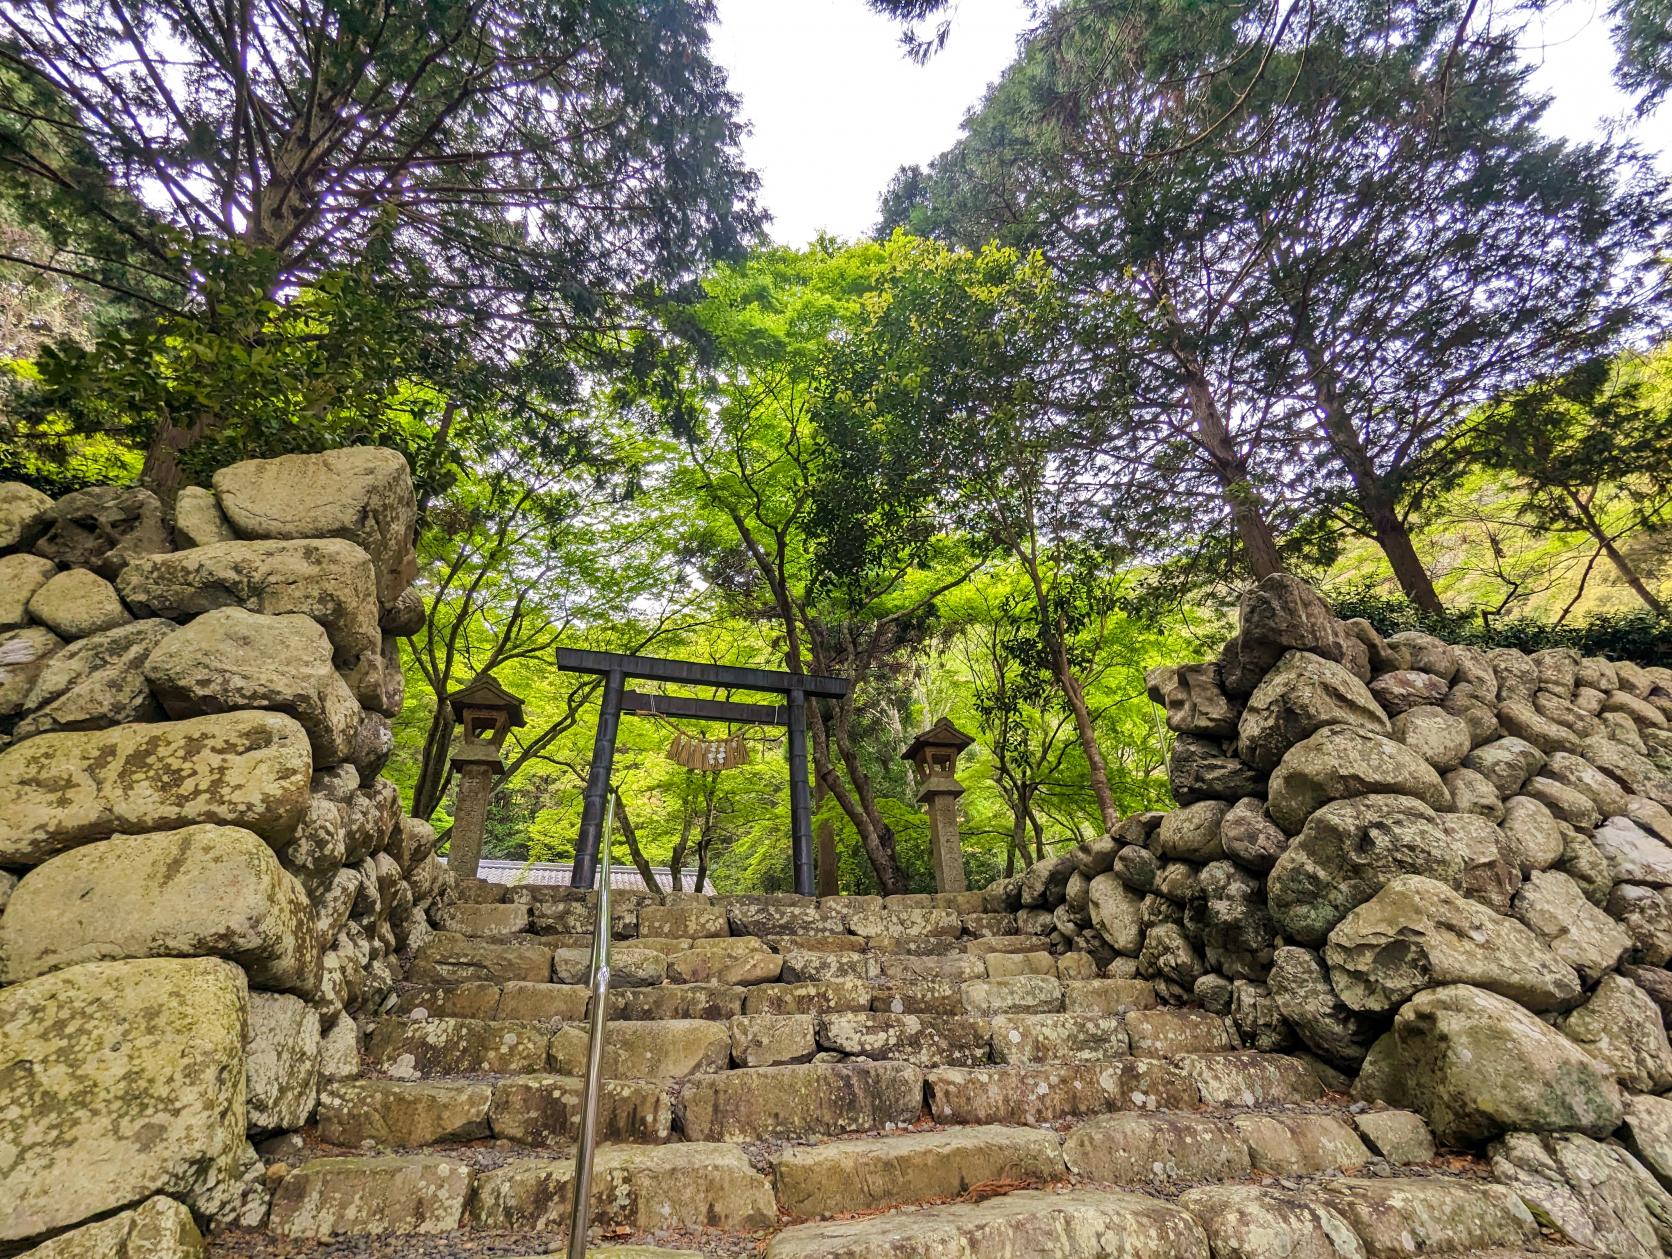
[(1074, 694), (1370, 488), (1593, 526), (161, 473), (877, 838), (1259, 542), (824, 845), (433, 762), (631, 835), (1018, 841)]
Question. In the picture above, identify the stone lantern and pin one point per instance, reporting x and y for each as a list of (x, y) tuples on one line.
[(935, 754), (485, 712)]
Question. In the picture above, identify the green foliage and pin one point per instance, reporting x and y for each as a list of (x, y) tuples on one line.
[(1642, 32), (1638, 636)]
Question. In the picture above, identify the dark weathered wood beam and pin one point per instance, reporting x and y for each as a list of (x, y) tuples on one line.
[(693, 673), (705, 709)]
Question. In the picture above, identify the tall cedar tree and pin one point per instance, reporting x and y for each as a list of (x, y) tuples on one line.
[(1345, 231), (529, 173)]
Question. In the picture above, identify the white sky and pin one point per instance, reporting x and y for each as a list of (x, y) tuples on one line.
[(836, 108)]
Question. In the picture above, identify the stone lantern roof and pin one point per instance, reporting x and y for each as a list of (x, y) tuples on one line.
[(943, 734)]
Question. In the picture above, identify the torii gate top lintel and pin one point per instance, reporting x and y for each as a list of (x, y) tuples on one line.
[(615, 668)]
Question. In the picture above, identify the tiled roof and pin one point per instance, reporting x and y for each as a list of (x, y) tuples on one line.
[(556, 873)]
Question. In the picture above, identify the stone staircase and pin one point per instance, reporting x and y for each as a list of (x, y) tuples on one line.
[(851, 1078)]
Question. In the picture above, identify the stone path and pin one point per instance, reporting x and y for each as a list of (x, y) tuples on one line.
[(847, 1079)]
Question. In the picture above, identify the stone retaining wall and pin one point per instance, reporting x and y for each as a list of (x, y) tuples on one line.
[(1444, 871), (203, 879)]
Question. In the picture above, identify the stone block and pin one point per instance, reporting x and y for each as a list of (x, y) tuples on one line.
[(649, 1050), (131, 1074), (930, 1041), (403, 1114), (537, 1003), (408, 1050), (1020, 994), (281, 1066), (213, 891), (372, 1196), (159, 1228), (812, 998), (1428, 1215), (1144, 1148), (1244, 1222), (546, 1110), (687, 1185), (1047, 1094), (237, 769), (684, 921), (464, 918), (1081, 1224), (448, 958), (1400, 1136), (840, 1178), (1107, 996), (680, 1001), (772, 1040), (1163, 1033), (801, 1102), (1030, 1038), (1250, 1079), (1299, 1145), (362, 494)]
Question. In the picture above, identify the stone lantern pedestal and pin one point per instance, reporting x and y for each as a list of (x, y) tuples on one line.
[(485, 712), (935, 753)]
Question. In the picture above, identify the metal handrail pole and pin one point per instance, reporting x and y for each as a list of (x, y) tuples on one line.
[(581, 1209)]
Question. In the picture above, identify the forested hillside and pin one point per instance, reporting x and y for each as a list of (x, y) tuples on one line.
[(1202, 293)]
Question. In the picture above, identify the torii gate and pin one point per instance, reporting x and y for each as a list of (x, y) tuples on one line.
[(616, 668)]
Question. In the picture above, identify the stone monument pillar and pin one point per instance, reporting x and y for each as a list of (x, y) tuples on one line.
[(935, 753), (485, 712)]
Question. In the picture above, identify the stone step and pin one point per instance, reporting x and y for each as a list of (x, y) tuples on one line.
[(1381, 1219), (800, 1102), (416, 1045), (1079, 1224), (844, 1177), (1160, 1031), (1143, 1148), (534, 1110), (640, 1189)]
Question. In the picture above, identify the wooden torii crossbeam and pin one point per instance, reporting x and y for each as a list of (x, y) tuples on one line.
[(615, 669)]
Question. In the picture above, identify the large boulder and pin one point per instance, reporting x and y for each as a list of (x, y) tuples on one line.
[(1302, 694), (1506, 763), (119, 1081), (1551, 905), (1347, 852), (95, 683), (1300, 985), (1339, 762), (1533, 833), (20, 577), (104, 528), (77, 603), (1633, 854), (1199, 770), (1491, 864), (1416, 933), (1594, 1195), (24, 654), (1281, 614), (1621, 1028), (1191, 833), (1227, 912), (158, 1228), (23, 510), (1477, 1065), (361, 494), (1435, 735), (1249, 836), (1194, 699), (232, 659), (238, 769), (1115, 913), (329, 580), (213, 891), (281, 1065)]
